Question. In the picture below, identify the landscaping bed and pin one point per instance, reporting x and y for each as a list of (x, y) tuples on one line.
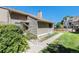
[(48, 36), (67, 43)]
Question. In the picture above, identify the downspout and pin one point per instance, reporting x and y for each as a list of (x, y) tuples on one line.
[(8, 15), (37, 30), (53, 26)]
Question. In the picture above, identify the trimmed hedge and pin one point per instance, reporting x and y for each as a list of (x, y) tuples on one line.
[(12, 39)]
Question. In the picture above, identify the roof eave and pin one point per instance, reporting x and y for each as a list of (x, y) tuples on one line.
[(32, 16)]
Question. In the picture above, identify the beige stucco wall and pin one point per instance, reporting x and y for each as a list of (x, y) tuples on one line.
[(41, 31), (4, 16), (16, 21), (44, 29)]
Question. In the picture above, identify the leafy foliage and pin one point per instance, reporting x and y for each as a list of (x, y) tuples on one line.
[(59, 25), (12, 40)]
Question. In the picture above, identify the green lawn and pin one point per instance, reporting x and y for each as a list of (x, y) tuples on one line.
[(69, 40), (67, 43)]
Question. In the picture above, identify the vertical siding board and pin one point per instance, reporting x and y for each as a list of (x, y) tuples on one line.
[(9, 17), (32, 25)]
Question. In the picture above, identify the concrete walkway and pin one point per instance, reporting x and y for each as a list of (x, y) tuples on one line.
[(36, 45)]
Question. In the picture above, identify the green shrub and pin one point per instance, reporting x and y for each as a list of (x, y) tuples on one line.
[(12, 39)]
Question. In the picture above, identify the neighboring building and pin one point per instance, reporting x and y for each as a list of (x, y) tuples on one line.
[(71, 23), (34, 24), (68, 22)]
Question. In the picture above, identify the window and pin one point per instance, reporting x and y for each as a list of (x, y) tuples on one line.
[(50, 25), (18, 16), (44, 25)]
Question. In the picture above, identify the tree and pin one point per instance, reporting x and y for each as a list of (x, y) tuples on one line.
[(58, 25)]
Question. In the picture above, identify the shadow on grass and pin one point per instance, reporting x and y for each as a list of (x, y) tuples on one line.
[(75, 32), (58, 49)]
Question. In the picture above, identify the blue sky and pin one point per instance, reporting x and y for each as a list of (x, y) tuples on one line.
[(51, 13)]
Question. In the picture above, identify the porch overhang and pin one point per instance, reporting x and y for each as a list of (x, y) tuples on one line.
[(45, 21)]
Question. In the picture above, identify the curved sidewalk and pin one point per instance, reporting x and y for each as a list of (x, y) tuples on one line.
[(36, 46)]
